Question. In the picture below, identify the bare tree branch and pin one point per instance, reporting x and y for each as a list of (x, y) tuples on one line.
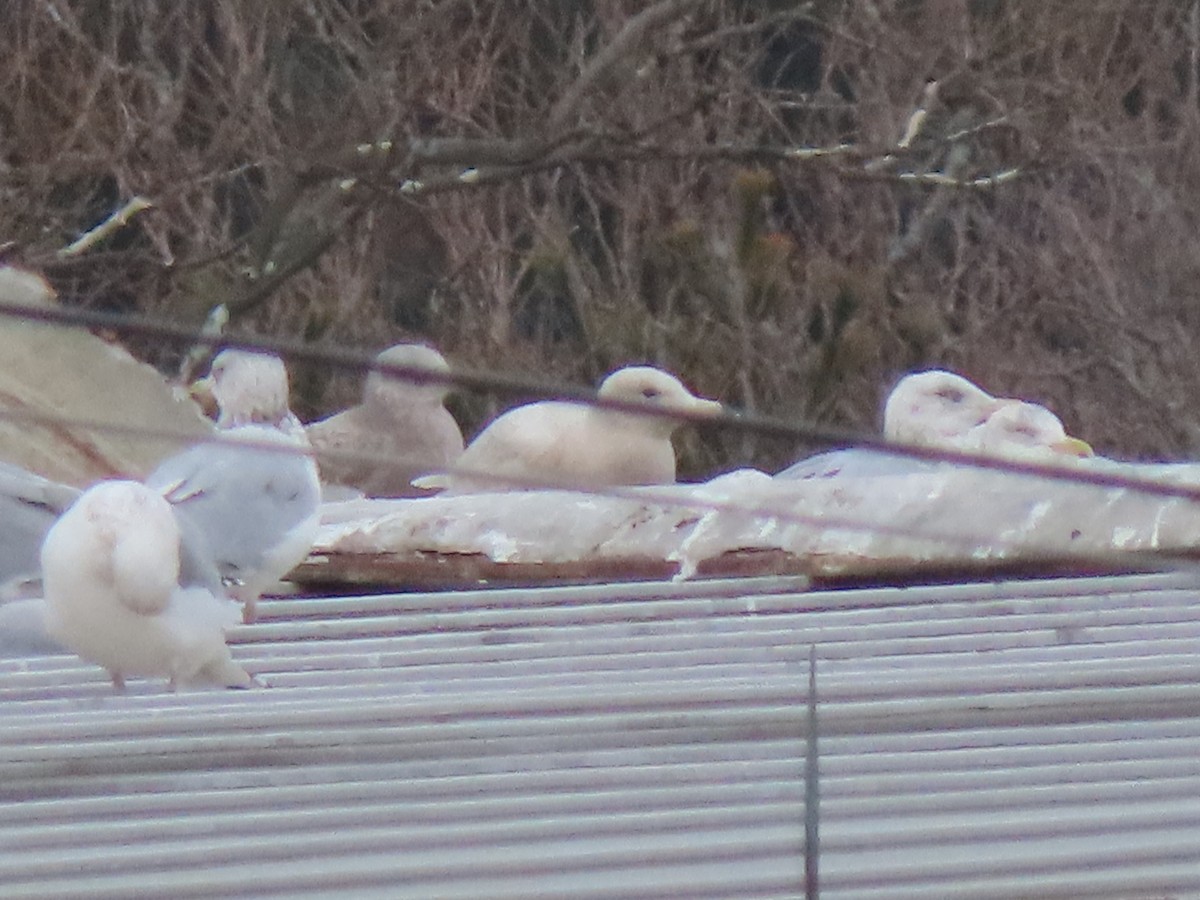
[(113, 223), (629, 40)]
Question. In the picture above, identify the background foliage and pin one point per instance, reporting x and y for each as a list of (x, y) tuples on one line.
[(789, 204)]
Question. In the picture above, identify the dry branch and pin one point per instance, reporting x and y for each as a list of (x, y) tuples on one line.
[(486, 176), (105, 229)]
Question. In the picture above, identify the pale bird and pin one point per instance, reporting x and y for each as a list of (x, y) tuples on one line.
[(940, 409), (249, 388), (567, 444), (250, 501), (399, 419), (111, 569), (935, 408), (21, 287), (1020, 430)]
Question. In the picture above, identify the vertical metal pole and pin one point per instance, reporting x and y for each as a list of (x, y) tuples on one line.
[(812, 795)]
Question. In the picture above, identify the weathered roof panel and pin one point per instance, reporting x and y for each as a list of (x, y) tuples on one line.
[(639, 740)]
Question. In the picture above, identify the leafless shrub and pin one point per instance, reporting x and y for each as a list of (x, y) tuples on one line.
[(789, 204)]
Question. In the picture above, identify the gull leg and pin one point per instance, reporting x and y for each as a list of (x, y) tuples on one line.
[(248, 597)]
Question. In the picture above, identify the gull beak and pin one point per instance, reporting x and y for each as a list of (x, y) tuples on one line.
[(201, 391), (710, 408), (1070, 446)]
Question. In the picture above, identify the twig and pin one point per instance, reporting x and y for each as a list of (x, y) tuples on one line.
[(213, 326), (917, 120), (627, 41), (976, 129), (940, 179), (912, 130), (1193, 58), (117, 220), (907, 244)]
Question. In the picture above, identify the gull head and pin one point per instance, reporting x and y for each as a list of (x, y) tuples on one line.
[(1023, 430), (655, 388), (249, 388), (386, 390), (936, 408)]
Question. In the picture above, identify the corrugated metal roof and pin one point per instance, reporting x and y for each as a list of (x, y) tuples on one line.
[(639, 740)]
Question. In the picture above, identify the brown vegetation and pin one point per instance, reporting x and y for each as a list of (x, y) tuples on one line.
[(787, 203)]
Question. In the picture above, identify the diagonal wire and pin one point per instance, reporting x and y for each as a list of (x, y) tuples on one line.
[(360, 361), (519, 385), (666, 496)]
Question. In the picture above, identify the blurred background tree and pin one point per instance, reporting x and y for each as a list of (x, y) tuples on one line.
[(788, 203)]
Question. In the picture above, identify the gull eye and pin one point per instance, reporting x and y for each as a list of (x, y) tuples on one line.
[(952, 395), (649, 393)]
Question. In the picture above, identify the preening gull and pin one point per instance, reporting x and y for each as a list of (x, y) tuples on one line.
[(111, 570), (576, 444), (401, 419), (251, 501), (31, 505)]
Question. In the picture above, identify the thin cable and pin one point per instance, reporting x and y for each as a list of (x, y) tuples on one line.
[(666, 496), (507, 384)]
